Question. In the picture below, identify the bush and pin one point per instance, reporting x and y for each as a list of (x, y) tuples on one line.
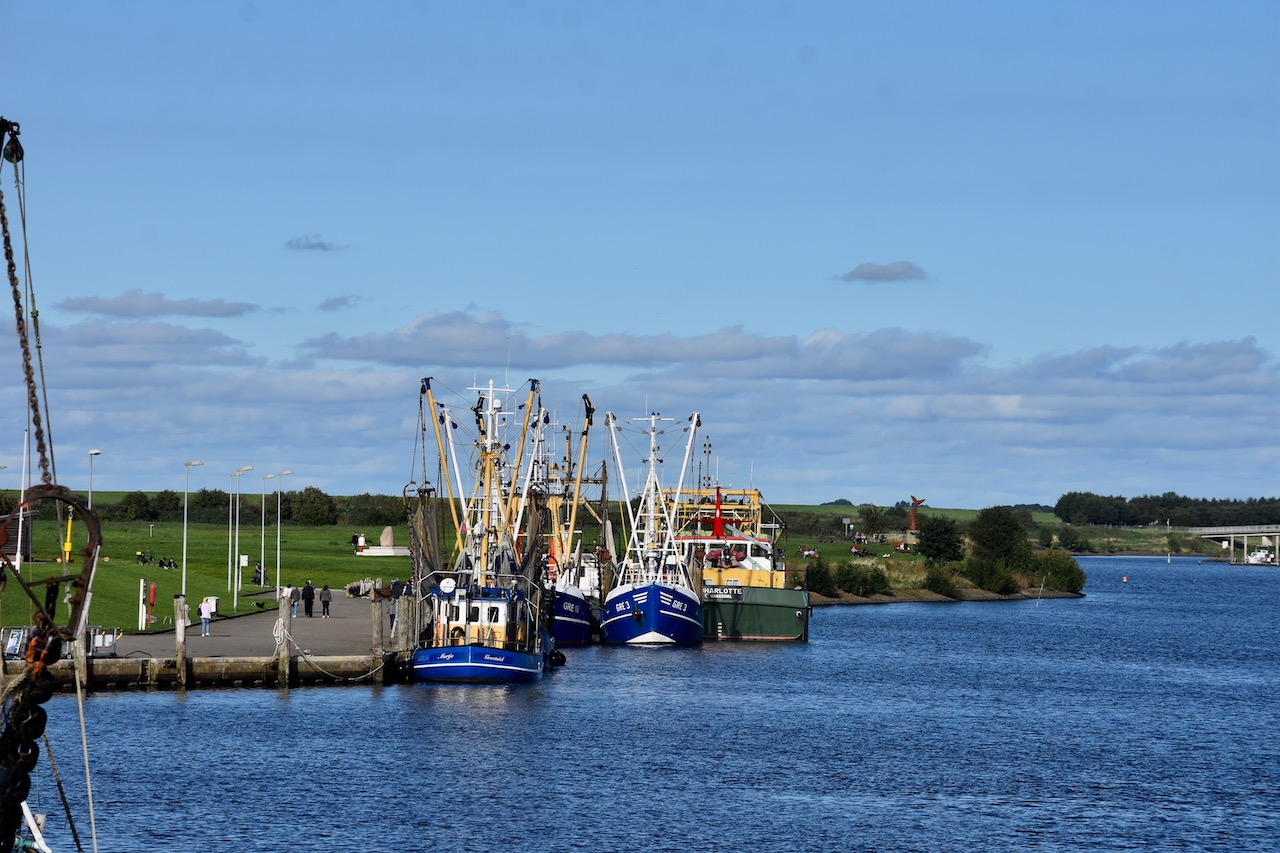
[(938, 579), (819, 579), (1057, 570), (940, 540), (1072, 538), (997, 535), (990, 574), (862, 580)]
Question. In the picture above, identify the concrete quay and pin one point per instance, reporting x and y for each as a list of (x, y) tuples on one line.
[(242, 651)]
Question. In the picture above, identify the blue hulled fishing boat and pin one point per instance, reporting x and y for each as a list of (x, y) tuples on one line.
[(481, 614), (653, 600), (573, 572)]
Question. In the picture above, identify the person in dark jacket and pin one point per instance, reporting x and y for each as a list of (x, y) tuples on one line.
[(308, 599)]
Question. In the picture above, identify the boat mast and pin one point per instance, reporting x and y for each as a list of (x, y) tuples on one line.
[(444, 458), (582, 458), (532, 474), (611, 422), (669, 511), (524, 432), (489, 507)]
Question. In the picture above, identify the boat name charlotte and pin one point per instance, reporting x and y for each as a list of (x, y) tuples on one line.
[(722, 593)]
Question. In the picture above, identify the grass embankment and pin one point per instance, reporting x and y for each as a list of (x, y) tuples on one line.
[(322, 555), (906, 571)]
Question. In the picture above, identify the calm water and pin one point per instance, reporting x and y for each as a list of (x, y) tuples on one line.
[(1142, 716)]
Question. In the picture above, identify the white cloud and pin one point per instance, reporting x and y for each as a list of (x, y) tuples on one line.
[(868, 416), (135, 303)]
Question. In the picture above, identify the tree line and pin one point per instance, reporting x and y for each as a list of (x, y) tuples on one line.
[(1169, 509), (310, 507)]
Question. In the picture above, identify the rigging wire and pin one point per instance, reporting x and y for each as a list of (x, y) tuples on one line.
[(24, 718)]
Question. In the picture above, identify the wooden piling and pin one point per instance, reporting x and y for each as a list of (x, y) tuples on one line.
[(180, 613), (282, 648)]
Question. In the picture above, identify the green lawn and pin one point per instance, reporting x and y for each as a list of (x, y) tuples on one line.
[(322, 555)]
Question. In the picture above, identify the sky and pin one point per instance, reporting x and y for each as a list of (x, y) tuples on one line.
[(981, 253)]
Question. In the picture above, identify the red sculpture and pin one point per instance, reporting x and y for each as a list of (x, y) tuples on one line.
[(911, 517)]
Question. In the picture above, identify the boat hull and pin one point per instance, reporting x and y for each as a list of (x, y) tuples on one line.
[(652, 614), (572, 625), (476, 665), (754, 613)]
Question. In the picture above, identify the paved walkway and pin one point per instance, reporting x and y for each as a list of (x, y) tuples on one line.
[(348, 631)]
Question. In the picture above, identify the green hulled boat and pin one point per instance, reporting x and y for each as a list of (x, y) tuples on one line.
[(742, 573)]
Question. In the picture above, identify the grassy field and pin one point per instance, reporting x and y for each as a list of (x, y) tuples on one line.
[(322, 555)]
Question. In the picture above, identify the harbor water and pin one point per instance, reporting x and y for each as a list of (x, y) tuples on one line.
[(1140, 716)]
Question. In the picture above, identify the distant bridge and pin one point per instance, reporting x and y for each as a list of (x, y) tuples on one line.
[(1269, 533)]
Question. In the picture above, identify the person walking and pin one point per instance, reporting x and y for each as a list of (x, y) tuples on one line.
[(326, 596), (206, 616), (308, 599), (295, 595)]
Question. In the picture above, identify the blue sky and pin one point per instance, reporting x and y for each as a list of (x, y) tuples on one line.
[(981, 252)]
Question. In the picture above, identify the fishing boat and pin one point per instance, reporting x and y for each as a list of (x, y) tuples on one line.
[(480, 613), (654, 599), (723, 534), (580, 571), (574, 621)]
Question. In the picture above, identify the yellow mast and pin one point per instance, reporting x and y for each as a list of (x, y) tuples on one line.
[(444, 463), (577, 483), (524, 432)]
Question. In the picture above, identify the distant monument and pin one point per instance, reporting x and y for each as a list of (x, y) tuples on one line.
[(912, 521), (386, 546)]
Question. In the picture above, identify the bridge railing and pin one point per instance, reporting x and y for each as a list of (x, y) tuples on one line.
[(1239, 530)]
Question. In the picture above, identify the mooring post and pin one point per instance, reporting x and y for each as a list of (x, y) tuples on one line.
[(282, 647), (379, 631), (180, 614)]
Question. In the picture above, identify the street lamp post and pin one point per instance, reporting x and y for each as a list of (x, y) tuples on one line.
[(262, 559), (92, 453), (279, 479), (187, 466), (231, 508), (235, 588)]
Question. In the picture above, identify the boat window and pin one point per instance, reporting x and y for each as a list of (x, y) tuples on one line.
[(454, 613), (474, 615), (493, 615)]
